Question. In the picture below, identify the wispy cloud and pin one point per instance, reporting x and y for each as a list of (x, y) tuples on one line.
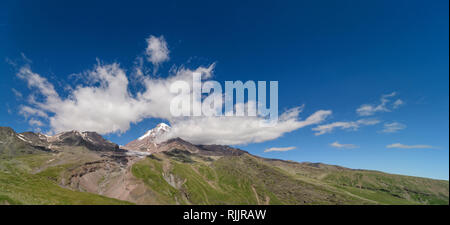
[(352, 125), (8, 109), (17, 93), (34, 122), (27, 111), (339, 145), (393, 127), (384, 106), (280, 149), (397, 103), (402, 146)]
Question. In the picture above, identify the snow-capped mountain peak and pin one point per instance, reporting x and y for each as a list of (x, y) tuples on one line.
[(149, 141), (157, 131)]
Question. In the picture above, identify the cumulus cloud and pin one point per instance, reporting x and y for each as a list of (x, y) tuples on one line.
[(280, 149), (339, 145), (402, 146), (393, 127), (384, 106), (352, 125), (157, 50), (106, 105), (240, 130)]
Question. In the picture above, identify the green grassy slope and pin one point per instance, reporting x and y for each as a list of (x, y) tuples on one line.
[(188, 179), (391, 189), (19, 186), (180, 177), (184, 178), (381, 188)]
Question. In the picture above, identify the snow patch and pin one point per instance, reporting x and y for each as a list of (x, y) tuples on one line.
[(137, 153), (21, 137), (145, 135)]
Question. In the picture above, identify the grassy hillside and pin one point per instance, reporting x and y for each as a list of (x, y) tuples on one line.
[(391, 189), (378, 187), (184, 178), (79, 176), (18, 185)]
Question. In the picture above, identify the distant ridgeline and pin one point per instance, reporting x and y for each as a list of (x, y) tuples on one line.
[(83, 168)]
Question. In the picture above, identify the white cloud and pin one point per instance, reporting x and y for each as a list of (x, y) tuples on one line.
[(8, 110), (393, 127), (402, 146), (157, 50), (239, 130), (27, 111), (34, 80), (397, 103), (34, 122), (370, 109), (17, 93), (105, 105), (338, 145), (352, 125), (280, 149)]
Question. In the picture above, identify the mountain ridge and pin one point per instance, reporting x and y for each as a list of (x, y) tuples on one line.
[(179, 172)]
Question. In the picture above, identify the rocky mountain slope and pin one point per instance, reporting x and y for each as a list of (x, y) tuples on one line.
[(148, 141), (34, 142), (83, 168)]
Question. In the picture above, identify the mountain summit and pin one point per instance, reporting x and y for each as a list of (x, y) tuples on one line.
[(148, 141), (159, 130)]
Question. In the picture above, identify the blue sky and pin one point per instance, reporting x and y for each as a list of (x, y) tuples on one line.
[(327, 55)]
